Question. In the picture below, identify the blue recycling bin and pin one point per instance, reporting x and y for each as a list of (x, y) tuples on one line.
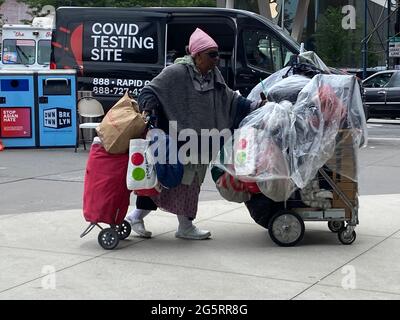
[(38, 108), (57, 114), (18, 117)]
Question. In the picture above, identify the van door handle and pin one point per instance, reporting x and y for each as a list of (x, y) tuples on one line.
[(245, 76), (2, 100), (381, 92)]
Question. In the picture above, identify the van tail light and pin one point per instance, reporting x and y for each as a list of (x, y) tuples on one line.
[(53, 65)]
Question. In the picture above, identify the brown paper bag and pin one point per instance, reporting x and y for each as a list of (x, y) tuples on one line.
[(121, 123)]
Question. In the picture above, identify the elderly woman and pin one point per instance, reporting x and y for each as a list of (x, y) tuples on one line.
[(193, 93)]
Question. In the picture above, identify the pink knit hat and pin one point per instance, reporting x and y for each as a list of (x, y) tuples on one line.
[(200, 41)]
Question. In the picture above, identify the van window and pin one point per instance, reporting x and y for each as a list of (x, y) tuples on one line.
[(264, 51), (257, 46), (44, 51), (19, 51), (221, 29), (379, 81)]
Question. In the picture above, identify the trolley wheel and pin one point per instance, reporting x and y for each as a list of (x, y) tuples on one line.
[(335, 226), (124, 230), (286, 228), (108, 238), (345, 238)]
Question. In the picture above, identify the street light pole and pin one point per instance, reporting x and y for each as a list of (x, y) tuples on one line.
[(397, 30), (230, 4), (365, 42), (388, 34)]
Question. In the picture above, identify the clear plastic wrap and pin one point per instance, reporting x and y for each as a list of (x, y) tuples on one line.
[(267, 83), (282, 145), (308, 57), (312, 58)]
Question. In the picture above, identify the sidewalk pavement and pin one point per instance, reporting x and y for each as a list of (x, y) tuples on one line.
[(42, 257)]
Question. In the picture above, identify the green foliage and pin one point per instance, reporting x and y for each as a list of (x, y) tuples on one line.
[(332, 41), (120, 3), (336, 46), (1, 16)]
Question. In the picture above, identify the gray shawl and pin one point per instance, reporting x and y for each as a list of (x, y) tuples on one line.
[(195, 104)]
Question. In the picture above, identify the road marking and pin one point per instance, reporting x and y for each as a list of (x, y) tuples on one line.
[(385, 139), (384, 121)]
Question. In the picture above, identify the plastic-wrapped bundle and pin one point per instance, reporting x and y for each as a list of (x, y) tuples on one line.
[(282, 145), (267, 83), (287, 89), (304, 65)]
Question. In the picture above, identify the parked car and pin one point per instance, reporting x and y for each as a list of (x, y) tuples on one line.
[(359, 73), (381, 93)]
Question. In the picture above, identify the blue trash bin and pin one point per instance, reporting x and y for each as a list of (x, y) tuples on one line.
[(57, 112), (18, 125)]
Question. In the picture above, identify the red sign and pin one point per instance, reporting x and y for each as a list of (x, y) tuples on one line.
[(29, 43), (15, 123)]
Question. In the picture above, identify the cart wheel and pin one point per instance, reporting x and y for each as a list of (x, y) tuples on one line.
[(335, 226), (124, 230), (108, 238), (286, 228), (345, 238)]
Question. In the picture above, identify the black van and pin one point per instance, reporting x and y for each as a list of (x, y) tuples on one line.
[(115, 49)]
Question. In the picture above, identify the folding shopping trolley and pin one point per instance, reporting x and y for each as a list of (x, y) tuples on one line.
[(106, 197)]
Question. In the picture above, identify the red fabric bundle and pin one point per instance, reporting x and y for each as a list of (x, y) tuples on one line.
[(105, 195)]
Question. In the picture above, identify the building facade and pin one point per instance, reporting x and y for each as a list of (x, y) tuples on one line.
[(335, 28), (14, 12)]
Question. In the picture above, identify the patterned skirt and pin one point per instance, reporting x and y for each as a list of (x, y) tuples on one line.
[(182, 200)]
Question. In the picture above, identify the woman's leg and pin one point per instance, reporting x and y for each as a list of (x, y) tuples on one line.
[(186, 230), (144, 205)]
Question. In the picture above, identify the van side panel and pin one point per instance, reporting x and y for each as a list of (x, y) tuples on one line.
[(114, 50), (120, 49)]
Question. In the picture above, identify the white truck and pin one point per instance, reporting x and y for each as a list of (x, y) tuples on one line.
[(26, 47)]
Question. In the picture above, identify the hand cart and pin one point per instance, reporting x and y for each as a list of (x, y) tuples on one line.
[(286, 227), (106, 197)]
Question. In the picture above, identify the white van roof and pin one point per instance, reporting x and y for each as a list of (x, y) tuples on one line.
[(37, 23), (23, 27), (45, 22)]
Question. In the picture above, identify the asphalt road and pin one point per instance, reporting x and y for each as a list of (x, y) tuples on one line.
[(47, 180), (380, 160)]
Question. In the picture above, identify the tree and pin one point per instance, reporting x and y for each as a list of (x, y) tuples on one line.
[(1, 16), (332, 42), (38, 4), (338, 47)]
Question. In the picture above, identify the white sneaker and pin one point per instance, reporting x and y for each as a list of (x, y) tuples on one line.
[(138, 227), (193, 233)]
